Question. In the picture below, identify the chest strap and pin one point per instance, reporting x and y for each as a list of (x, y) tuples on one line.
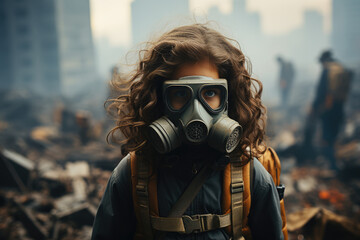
[(191, 224)]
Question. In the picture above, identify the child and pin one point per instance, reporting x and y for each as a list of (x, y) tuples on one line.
[(191, 108)]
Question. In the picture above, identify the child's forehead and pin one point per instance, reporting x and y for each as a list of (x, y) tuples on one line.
[(204, 67)]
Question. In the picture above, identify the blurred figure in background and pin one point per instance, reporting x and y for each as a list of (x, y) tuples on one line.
[(286, 79), (328, 107)]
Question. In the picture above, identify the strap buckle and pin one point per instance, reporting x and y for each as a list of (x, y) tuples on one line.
[(281, 189), (141, 190), (237, 187), (200, 223)]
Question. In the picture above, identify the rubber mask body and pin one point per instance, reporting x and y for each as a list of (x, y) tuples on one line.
[(195, 112)]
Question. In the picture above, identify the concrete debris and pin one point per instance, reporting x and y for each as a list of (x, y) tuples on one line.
[(80, 188), (15, 170), (77, 169), (81, 215), (44, 133), (284, 139), (306, 184), (29, 221), (321, 224), (53, 172)]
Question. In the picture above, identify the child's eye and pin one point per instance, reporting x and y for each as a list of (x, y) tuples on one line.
[(212, 96), (210, 93), (178, 97)]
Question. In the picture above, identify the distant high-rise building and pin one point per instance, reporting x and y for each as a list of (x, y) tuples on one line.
[(5, 57), (77, 60), (29, 57), (345, 31), (150, 17), (45, 45)]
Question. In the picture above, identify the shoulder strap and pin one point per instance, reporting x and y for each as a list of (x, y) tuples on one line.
[(236, 191), (142, 194)]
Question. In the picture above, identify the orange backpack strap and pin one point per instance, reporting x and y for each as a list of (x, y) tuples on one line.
[(228, 199), (145, 201)]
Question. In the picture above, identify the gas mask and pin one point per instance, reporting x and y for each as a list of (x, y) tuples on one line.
[(195, 113)]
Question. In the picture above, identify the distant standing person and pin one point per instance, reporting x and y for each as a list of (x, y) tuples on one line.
[(328, 106), (286, 79)]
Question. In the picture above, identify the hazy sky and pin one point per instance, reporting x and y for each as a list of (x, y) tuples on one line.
[(111, 18)]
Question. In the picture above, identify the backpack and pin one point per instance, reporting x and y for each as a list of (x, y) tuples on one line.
[(236, 199), (339, 81)]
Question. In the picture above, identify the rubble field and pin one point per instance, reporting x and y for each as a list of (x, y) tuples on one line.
[(54, 171)]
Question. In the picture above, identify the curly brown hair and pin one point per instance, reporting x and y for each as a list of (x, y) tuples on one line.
[(142, 103)]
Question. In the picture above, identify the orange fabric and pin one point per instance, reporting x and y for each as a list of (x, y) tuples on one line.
[(138, 233), (271, 162), (152, 189), (283, 217), (152, 186)]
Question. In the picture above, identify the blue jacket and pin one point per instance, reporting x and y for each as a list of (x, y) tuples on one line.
[(116, 219)]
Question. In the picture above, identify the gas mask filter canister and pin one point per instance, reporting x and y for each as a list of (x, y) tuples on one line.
[(195, 112)]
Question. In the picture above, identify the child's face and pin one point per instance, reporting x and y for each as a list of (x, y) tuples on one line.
[(195, 110), (201, 68)]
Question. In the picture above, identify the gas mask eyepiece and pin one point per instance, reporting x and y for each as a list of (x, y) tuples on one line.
[(195, 112)]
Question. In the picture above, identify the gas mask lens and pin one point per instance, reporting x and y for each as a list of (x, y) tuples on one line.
[(213, 96), (177, 97)]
